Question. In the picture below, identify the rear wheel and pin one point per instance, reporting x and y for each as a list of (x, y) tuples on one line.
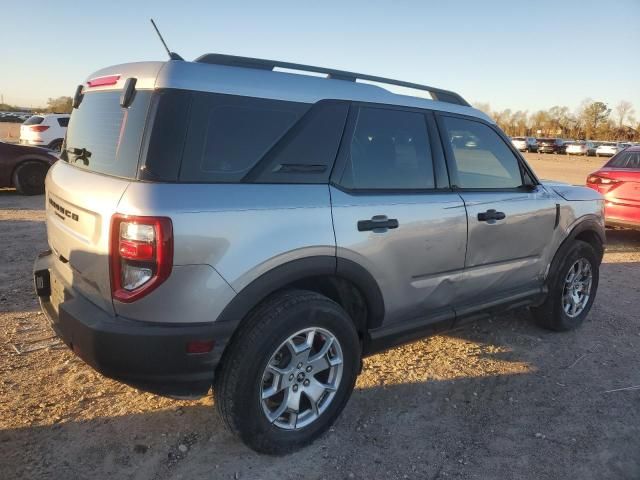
[(572, 288), (29, 177), (289, 372), (56, 145)]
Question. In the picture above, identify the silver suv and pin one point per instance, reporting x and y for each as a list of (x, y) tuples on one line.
[(222, 223)]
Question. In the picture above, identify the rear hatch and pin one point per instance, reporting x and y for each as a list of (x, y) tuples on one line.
[(624, 171), (99, 160), (31, 128)]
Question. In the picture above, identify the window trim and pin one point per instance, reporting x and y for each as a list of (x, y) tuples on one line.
[(525, 169), (440, 173)]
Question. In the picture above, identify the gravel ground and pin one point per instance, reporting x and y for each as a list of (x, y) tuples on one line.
[(494, 399)]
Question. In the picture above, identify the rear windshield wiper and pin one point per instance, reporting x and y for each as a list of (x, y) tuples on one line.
[(79, 154)]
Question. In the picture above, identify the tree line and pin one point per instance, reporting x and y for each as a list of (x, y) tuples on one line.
[(54, 105), (593, 120)]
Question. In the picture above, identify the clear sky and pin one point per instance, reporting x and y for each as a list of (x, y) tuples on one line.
[(511, 54)]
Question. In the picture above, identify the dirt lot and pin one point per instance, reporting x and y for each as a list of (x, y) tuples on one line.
[(9, 132), (494, 399)]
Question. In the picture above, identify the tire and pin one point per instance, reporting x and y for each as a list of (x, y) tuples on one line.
[(28, 178), (243, 379), (56, 145), (552, 313)]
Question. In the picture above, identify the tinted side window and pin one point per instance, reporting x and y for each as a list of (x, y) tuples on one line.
[(33, 120), (625, 160), (389, 149), (228, 135), (307, 152), (481, 158), (63, 122)]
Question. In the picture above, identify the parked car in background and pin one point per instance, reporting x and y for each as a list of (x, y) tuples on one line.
[(24, 168), (261, 240), (525, 144), (608, 149), (580, 148), (591, 148), (619, 181), (551, 145), (45, 130)]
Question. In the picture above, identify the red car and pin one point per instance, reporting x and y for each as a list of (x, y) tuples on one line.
[(24, 167), (619, 181)]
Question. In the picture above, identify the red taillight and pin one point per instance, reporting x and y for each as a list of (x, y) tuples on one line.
[(38, 128), (103, 81), (141, 255)]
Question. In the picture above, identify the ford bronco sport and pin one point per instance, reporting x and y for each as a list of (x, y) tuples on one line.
[(225, 223)]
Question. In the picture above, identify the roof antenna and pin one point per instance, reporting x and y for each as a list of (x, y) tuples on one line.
[(172, 55)]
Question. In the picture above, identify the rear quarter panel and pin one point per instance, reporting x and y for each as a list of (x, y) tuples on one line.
[(240, 231)]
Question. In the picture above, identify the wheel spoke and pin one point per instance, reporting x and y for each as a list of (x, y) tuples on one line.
[(277, 413), (293, 401), (320, 361)]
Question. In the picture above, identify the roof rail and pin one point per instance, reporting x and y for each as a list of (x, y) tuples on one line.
[(247, 62)]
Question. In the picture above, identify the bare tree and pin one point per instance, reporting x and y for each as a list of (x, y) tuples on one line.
[(624, 111)]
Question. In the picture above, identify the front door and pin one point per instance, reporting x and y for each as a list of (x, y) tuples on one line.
[(511, 225)]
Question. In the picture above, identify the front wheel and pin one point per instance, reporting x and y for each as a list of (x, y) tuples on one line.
[(289, 372), (572, 288)]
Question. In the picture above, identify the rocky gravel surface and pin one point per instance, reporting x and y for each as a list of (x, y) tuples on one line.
[(499, 398)]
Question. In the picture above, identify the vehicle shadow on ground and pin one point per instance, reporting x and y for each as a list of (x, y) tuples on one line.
[(494, 398)]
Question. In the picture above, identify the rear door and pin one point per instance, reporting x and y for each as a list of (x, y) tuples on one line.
[(510, 226), (394, 213), (99, 159)]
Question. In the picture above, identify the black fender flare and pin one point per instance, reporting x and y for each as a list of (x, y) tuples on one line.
[(297, 270), (588, 224)]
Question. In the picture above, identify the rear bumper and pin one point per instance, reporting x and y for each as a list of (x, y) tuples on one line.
[(547, 150), (148, 356)]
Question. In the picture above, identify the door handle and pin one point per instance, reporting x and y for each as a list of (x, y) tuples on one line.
[(490, 215), (377, 222)]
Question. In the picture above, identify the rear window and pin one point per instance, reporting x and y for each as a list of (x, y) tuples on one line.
[(63, 121), (625, 160), (34, 120), (105, 138)]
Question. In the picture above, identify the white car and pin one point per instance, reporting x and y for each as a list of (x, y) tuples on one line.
[(45, 130), (525, 144), (580, 148), (609, 149)]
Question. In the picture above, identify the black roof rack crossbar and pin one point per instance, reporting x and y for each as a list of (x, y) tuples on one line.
[(261, 64)]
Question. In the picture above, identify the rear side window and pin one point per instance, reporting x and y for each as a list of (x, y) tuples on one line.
[(480, 157), (389, 150), (228, 135), (34, 120), (307, 152), (105, 138), (63, 121), (625, 160)]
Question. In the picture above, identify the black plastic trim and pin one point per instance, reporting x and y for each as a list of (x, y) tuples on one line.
[(279, 277)]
